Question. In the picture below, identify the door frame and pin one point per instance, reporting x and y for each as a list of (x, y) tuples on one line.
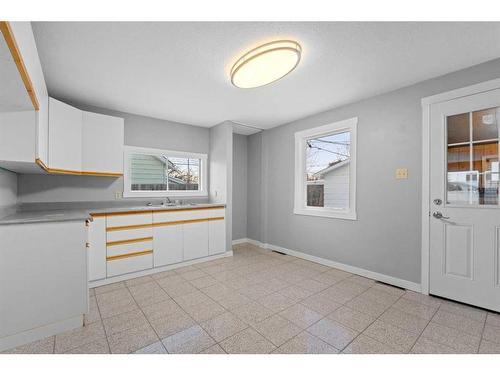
[(426, 123)]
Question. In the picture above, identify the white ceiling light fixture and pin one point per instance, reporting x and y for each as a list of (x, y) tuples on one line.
[(266, 64)]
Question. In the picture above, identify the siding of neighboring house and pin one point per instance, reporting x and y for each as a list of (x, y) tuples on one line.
[(147, 170), (336, 190)]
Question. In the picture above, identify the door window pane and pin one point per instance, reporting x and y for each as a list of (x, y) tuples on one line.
[(484, 125), (472, 158), (485, 164), (458, 128)]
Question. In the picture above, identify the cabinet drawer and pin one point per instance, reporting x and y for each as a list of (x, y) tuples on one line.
[(126, 219), (127, 234), (128, 248), (169, 216), (131, 264)]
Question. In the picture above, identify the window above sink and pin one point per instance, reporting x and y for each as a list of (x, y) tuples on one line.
[(150, 172)]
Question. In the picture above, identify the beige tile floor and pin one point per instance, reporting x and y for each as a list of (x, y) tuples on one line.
[(263, 302)]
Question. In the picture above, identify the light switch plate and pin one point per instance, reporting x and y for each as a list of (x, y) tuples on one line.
[(401, 173), (118, 194)]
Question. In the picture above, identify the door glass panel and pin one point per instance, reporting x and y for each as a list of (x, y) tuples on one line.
[(472, 158), (458, 128), (484, 124)]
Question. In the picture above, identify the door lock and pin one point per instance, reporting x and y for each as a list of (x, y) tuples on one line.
[(439, 215), (438, 202)]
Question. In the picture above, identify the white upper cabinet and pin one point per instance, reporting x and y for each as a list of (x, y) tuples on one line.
[(102, 144), (39, 134), (65, 137), (23, 100)]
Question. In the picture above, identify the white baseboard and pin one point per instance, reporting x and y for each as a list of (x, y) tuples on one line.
[(127, 276), (40, 333), (410, 285), (240, 240), (248, 240)]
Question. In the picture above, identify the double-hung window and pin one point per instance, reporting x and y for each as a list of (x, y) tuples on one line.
[(152, 172), (325, 170)]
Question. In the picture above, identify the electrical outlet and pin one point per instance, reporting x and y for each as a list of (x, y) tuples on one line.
[(118, 194), (401, 173)]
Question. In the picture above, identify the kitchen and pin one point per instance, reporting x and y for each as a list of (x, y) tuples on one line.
[(249, 188)]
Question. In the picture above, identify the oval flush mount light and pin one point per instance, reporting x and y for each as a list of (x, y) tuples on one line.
[(266, 64)]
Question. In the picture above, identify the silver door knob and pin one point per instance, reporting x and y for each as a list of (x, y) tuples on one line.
[(439, 215)]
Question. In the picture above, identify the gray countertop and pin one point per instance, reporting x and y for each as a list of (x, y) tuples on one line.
[(59, 212)]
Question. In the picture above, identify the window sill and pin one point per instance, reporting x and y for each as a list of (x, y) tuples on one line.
[(332, 214)]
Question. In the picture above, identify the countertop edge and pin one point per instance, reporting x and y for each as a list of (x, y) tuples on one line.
[(64, 215)]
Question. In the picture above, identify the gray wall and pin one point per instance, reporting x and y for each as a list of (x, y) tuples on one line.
[(139, 131), (386, 236), (239, 186), (8, 188), (221, 172), (255, 186)]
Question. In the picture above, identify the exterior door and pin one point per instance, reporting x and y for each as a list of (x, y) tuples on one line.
[(464, 194)]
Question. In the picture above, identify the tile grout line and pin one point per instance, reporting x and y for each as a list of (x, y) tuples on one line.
[(145, 316), (197, 323), (102, 323), (360, 333), (421, 333), (482, 333)]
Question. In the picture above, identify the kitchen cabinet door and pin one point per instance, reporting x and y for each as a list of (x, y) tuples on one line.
[(168, 247), (65, 137), (102, 143), (97, 249), (216, 237), (195, 239)]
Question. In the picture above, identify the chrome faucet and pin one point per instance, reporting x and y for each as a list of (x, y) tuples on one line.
[(167, 201)]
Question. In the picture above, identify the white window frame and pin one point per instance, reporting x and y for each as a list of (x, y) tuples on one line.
[(128, 193), (300, 196)]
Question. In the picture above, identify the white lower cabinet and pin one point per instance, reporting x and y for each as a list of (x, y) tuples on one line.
[(130, 264), (96, 248), (168, 245), (43, 280), (129, 242), (216, 237), (195, 236)]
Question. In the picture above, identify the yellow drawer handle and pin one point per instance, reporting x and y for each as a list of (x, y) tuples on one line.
[(129, 255), (134, 240), (128, 227), (178, 222)]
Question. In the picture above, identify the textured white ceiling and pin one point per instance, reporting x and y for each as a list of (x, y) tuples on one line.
[(179, 71)]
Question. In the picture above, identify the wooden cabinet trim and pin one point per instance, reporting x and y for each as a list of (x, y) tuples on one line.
[(134, 254), (178, 222), (79, 173), (18, 60), (189, 209), (133, 240), (128, 227)]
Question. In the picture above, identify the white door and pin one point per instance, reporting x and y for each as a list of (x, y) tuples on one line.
[(168, 247), (464, 194), (195, 240)]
